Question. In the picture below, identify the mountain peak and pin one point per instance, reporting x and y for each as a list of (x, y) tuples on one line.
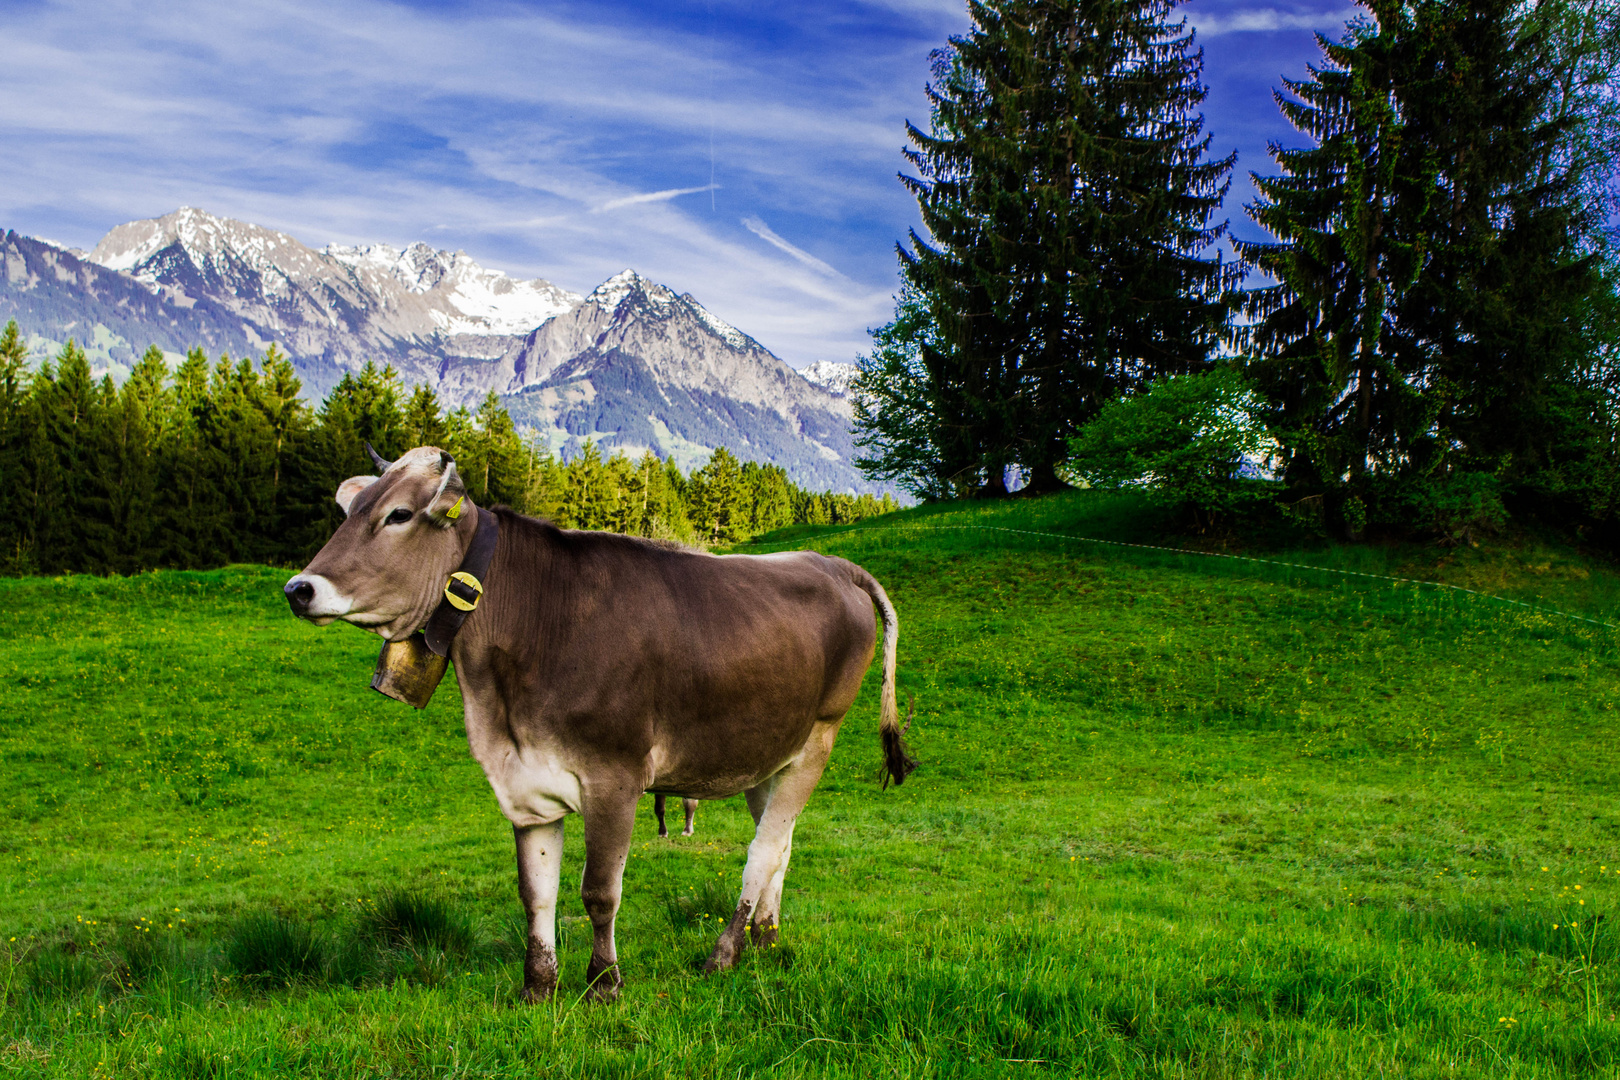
[(612, 292), (207, 238)]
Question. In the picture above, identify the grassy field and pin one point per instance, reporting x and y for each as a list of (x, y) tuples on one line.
[(1176, 816)]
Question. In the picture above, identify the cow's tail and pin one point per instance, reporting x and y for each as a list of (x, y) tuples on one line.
[(897, 763)]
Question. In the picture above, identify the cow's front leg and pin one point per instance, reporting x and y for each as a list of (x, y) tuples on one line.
[(690, 806), (539, 859), (610, 818)]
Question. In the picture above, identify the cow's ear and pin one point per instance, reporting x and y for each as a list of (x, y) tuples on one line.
[(351, 487), (449, 503)]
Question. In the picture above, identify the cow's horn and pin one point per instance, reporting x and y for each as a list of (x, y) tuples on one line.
[(377, 459)]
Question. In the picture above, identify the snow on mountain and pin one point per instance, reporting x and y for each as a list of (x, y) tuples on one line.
[(339, 306), (464, 297), (831, 376)]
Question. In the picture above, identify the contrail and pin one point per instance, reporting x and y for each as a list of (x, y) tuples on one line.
[(652, 196), (764, 232)]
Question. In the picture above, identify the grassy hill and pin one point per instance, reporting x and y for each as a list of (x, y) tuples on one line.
[(1177, 815)]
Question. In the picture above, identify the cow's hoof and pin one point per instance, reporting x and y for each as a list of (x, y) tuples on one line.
[(765, 934), (603, 983), (724, 955), (535, 995)]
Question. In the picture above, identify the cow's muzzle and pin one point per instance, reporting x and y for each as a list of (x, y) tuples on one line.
[(313, 597), (299, 594)]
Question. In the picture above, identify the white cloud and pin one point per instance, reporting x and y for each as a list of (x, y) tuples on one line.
[(653, 196), (1265, 20), (754, 225)]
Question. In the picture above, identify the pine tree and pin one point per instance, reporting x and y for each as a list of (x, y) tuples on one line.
[(1428, 263), (902, 416), (718, 500), (196, 516), (129, 436), (491, 456), (364, 407), (1067, 198), (769, 496), (70, 515), (590, 497), (424, 421), (16, 423), (278, 401)]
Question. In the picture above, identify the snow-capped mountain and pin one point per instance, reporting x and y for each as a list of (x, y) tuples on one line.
[(831, 376), (632, 364), (461, 296), (638, 366), (336, 307)]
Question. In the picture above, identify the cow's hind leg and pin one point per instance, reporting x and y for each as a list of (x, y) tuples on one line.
[(658, 811), (690, 806), (775, 805), (539, 859), (609, 820), (767, 918)]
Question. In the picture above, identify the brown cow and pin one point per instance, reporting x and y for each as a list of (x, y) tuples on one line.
[(599, 666)]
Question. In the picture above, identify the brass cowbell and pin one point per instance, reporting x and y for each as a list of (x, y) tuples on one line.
[(409, 671)]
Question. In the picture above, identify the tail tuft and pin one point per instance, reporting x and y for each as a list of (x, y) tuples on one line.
[(897, 762)]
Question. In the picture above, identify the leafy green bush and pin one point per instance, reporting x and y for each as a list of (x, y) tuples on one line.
[(1193, 440), (1455, 508)]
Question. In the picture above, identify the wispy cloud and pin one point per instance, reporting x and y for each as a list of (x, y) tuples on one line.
[(653, 196), (764, 232), (1268, 20)]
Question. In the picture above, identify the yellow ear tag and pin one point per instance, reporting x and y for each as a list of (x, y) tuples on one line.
[(455, 511)]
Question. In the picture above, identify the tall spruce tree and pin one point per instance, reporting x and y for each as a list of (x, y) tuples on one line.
[(16, 423), (1430, 264), (70, 515), (424, 419), (1067, 196), (719, 499)]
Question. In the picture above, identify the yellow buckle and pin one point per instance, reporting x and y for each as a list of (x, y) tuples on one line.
[(472, 583)]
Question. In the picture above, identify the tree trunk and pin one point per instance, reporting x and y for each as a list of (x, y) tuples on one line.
[(1043, 480)]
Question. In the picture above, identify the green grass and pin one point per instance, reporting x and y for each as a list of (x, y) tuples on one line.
[(1176, 816)]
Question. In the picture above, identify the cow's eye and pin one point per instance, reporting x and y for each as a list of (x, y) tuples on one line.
[(398, 517)]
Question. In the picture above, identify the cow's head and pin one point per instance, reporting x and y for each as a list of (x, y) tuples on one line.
[(385, 567)]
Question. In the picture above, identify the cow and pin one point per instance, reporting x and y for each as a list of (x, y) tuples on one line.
[(689, 805), (594, 667)]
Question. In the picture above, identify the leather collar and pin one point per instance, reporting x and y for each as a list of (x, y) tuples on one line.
[(465, 588)]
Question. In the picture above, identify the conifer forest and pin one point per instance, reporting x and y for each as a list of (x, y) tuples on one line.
[(222, 461)]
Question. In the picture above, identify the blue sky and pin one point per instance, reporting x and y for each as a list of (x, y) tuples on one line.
[(745, 152)]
